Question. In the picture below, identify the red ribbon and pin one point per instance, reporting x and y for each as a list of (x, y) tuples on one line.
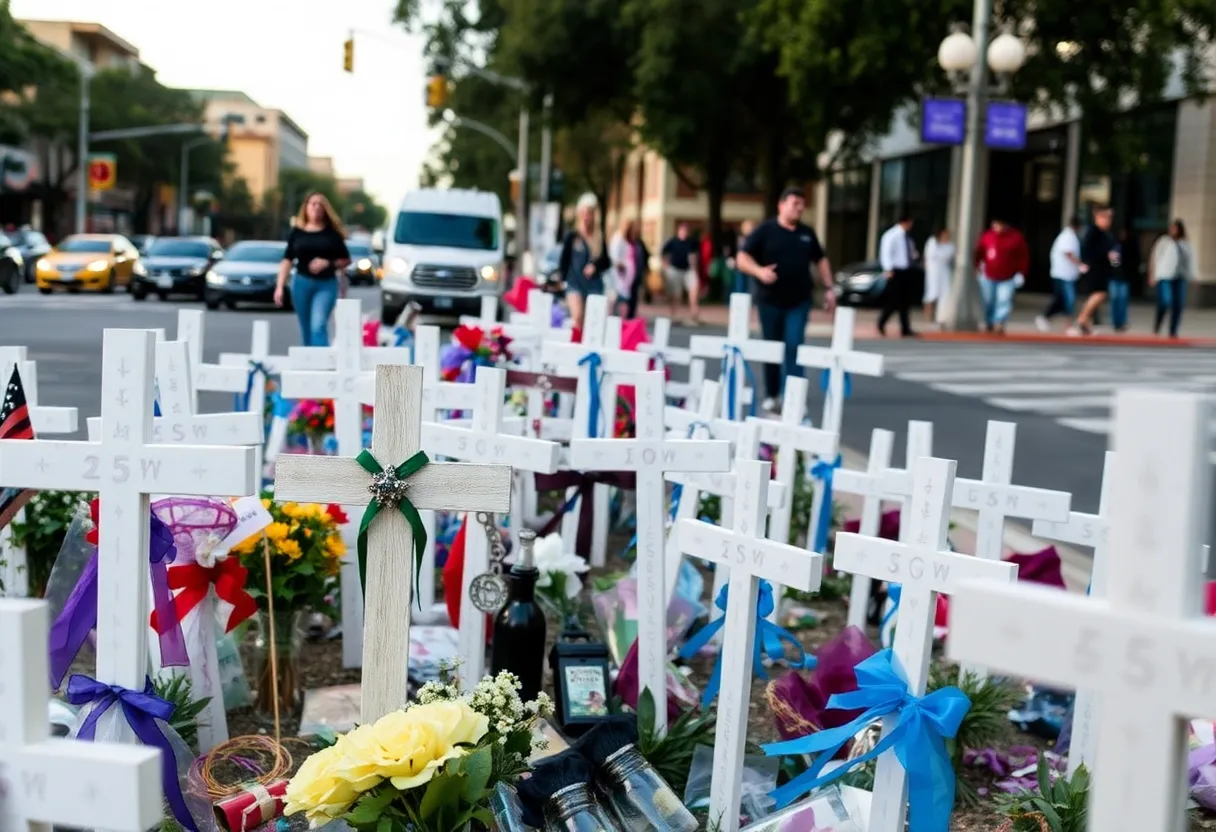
[(227, 576), (95, 514)]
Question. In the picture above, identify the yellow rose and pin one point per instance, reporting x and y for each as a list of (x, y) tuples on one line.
[(290, 509), (247, 546), (318, 790), (276, 531), (266, 503), (289, 549), (335, 546)]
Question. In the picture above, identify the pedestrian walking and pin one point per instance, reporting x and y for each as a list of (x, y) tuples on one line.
[(584, 259), (679, 272), (741, 281), (1066, 269), (316, 254), (939, 266), (1003, 258), (1169, 270), (641, 259), (624, 266), (782, 254), (1100, 254), (1120, 289), (897, 255)]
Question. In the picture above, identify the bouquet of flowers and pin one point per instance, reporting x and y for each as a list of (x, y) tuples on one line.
[(559, 583), (430, 767), (473, 347), (313, 419)]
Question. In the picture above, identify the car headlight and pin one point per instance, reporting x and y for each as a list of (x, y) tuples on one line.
[(139, 270), (43, 264), (861, 282), (489, 273), (364, 265), (214, 279), (398, 265), (97, 266), (196, 271)]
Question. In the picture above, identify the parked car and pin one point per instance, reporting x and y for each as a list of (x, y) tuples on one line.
[(861, 284), (32, 245), (177, 265), (143, 242), (12, 266), (89, 261), (364, 265), (246, 274)]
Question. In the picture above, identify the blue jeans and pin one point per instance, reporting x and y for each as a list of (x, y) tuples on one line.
[(1119, 292), (1063, 298), (787, 325), (997, 296), (740, 282), (314, 302), (1171, 298)]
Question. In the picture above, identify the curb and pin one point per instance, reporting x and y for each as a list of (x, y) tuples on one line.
[(1079, 341)]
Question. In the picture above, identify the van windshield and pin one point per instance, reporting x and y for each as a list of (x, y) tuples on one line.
[(415, 228)]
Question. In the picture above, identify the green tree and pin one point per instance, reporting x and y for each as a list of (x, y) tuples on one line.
[(25, 64), (355, 209), (361, 209)]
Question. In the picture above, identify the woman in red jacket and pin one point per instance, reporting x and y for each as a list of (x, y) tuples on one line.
[(1001, 259)]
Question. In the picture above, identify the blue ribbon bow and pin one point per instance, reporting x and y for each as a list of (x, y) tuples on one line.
[(918, 739), (242, 399), (403, 337), (825, 382), (596, 362), (280, 406), (824, 471), (732, 359), (769, 638), (893, 594), (142, 711)]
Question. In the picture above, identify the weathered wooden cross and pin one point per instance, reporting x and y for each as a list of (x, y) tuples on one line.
[(650, 455), (923, 568), (869, 485), (484, 441), (448, 486), (1145, 648), (750, 558), (736, 350), (45, 781), (124, 466), (839, 359)]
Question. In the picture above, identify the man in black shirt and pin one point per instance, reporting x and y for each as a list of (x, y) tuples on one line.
[(1100, 256), (680, 271), (780, 254)]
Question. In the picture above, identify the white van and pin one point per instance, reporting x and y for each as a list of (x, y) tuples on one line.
[(444, 252)]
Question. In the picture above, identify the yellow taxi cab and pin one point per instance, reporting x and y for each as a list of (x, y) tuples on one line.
[(95, 262)]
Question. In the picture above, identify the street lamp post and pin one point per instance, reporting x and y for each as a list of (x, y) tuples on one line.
[(183, 204), (958, 55), (82, 147)]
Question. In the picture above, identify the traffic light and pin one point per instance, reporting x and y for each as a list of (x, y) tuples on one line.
[(348, 55), (436, 92)]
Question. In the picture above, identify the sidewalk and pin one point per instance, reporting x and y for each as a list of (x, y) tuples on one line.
[(1198, 326)]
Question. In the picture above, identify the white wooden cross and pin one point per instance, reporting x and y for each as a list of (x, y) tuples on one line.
[(919, 443), (838, 359), (660, 349), (566, 358), (451, 486), (206, 376), (1091, 530), (125, 467), (869, 485), (46, 421), (484, 441), (45, 781), (253, 362), (789, 436), (923, 568), (750, 558), (736, 349), (1146, 647), (650, 455)]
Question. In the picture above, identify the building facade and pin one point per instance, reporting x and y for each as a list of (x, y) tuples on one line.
[(262, 142), (1061, 173)]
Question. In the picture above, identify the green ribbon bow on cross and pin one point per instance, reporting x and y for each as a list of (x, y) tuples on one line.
[(389, 488)]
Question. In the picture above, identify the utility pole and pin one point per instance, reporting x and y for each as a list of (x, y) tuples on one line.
[(546, 149), (962, 312), (521, 202), (183, 202), (82, 147)]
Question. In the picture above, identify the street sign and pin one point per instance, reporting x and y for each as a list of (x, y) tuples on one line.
[(943, 121), (1005, 125), (103, 171)]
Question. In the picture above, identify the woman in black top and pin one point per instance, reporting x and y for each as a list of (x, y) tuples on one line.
[(316, 255)]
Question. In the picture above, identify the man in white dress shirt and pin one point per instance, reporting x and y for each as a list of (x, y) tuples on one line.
[(897, 254)]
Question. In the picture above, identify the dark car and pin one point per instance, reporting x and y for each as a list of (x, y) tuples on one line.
[(176, 266), (12, 266), (247, 274), (860, 284), (364, 265), (32, 246)]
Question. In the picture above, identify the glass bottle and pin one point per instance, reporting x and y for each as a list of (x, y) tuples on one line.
[(519, 628), (574, 809), (640, 797)]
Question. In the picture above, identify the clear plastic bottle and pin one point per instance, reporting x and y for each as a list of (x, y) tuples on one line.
[(574, 809), (639, 797)]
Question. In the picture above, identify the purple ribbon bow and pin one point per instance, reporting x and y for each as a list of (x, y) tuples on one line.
[(141, 710), (79, 615)]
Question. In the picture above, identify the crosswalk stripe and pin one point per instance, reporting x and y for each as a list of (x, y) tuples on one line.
[(1052, 405)]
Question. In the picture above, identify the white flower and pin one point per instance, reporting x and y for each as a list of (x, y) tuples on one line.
[(551, 559)]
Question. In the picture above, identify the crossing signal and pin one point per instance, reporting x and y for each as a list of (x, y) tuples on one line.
[(436, 92), (348, 55)]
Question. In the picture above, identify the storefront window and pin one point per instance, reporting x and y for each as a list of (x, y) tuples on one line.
[(917, 185), (848, 215)]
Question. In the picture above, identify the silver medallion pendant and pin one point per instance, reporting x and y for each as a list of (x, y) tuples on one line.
[(488, 592)]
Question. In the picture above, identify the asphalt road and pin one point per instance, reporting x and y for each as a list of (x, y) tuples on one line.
[(63, 334)]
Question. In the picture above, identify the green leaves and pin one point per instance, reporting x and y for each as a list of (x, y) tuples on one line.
[(47, 518), (671, 754), (186, 709), (1059, 801)]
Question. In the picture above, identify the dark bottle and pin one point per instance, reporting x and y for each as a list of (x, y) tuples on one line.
[(519, 629)]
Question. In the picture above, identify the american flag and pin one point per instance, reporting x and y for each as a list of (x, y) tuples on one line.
[(14, 424)]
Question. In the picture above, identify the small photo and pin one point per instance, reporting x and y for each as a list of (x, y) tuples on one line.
[(586, 691)]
